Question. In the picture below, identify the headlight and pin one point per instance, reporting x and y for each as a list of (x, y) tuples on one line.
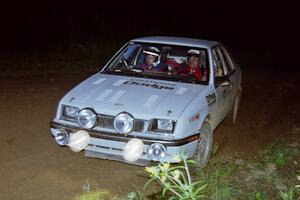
[(162, 125), (87, 118), (70, 113), (123, 123)]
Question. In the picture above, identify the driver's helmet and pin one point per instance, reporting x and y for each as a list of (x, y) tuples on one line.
[(153, 51)]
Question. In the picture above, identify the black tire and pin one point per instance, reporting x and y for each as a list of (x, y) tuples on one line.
[(231, 117), (204, 146)]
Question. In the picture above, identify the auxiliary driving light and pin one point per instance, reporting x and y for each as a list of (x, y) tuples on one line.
[(79, 140), (133, 150), (61, 137), (156, 151)]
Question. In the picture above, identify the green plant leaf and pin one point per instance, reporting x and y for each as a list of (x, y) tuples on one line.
[(193, 162), (165, 190), (201, 189), (176, 167), (148, 182)]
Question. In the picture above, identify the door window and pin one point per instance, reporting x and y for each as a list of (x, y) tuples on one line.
[(227, 59), (218, 63), (222, 62)]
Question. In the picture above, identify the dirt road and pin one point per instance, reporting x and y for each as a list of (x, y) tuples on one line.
[(33, 167)]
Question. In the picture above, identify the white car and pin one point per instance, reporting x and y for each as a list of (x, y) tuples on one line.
[(151, 101)]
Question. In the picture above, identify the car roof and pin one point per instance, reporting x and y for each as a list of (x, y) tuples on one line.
[(181, 41)]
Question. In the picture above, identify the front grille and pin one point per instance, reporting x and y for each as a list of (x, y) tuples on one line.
[(138, 125), (107, 121)]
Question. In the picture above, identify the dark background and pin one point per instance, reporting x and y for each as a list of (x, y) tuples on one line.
[(264, 32)]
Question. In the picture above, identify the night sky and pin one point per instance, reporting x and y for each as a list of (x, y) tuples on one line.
[(270, 29)]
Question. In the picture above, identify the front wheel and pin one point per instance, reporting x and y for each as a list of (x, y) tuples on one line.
[(204, 146)]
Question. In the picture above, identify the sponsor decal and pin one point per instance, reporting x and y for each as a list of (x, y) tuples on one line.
[(211, 99), (194, 117), (153, 84)]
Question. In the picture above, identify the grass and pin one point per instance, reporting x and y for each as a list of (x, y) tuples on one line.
[(218, 176), (273, 173), (277, 153)]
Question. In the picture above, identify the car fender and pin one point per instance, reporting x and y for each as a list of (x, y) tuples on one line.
[(192, 118)]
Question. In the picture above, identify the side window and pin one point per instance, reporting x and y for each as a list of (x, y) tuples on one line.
[(218, 64), (224, 63), (227, 59)]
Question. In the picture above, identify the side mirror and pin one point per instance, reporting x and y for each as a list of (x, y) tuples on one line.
[(222, 81), (225, 83)]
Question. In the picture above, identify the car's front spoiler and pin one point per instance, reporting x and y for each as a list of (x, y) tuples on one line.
[(125, 138), (97, 154)]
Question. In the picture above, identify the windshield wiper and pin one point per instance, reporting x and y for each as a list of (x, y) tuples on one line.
[(126, 70)]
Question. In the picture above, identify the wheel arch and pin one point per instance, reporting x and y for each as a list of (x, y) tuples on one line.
[(207, 120)]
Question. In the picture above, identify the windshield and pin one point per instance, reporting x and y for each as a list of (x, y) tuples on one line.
[(165, 62)]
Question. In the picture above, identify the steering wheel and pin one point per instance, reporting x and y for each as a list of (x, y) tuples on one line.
[(186, 74)]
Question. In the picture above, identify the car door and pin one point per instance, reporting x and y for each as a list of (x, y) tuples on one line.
[(224, 82), (232, 71), (233, 76)]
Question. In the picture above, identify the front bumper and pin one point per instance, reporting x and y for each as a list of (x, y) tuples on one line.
[(107, 145)]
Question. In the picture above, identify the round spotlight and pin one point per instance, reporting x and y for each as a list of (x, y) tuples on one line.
[(79, 140), (156, 151), (123, 123), (87, 118), (133, 150), (61, 137)]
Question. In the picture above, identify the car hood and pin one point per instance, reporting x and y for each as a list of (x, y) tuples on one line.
[(142, 97)]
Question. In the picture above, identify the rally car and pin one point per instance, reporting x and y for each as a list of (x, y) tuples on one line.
[(156, 98)]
